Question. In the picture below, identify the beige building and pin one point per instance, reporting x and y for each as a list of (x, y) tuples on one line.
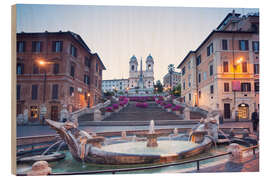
[(171, 80), (147, 74), (119, 85), (223, 72)]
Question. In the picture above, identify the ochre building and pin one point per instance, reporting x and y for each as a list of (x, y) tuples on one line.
[(55, 70), (223, 72)]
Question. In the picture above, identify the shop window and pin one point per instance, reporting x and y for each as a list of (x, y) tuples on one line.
[(34, 112)]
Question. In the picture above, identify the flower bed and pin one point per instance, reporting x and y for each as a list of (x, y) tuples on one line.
[(109, 109), (167, 106), (163, 103), (142, 104), (159, 101), (123, 103), (115, 106), (142, 98), (176, 108)]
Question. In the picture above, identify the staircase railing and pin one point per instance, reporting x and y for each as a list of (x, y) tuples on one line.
[(87, 110)]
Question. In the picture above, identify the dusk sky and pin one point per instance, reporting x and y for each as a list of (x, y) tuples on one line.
[(118, 32)]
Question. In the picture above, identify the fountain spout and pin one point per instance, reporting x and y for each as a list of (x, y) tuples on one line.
[(152, 136), (152, 127)]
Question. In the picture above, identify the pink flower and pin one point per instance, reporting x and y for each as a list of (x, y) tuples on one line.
[(109, 109), (168, 106), (115, 106)]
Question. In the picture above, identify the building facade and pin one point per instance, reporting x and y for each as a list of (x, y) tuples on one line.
[(55, 70), (171, 80), (147, 74), (223, 72), (118, 85)]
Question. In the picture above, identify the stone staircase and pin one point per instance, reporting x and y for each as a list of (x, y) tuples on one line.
[(133, 113)]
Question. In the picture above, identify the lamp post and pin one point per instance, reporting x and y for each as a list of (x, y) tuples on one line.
[(43, 109), (238, 61), (45, 79), (88, 97)]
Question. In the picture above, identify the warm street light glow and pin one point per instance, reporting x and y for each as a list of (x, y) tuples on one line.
[(88, 94), (238, 61), (41, 62)]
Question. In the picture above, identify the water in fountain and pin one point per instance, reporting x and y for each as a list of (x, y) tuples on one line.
[(219, 130), (133, 138), (59, 147), (50, 147), (152, 127), (140, 148), (175, 131), (83, 164)]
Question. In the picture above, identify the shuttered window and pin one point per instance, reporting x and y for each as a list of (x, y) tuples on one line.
[(55, 91), (36, 46), (34, 92), (57, 46)]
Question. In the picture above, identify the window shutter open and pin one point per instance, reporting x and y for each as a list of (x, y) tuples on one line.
[(53, 46), (61, 46), (41, 44), (246, 42), (33, 46)]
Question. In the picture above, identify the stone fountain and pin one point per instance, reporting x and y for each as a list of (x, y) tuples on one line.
[(151, 135), (88, 148)]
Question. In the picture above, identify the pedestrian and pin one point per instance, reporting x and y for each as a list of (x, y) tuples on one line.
[(220, 118), (255, 120)]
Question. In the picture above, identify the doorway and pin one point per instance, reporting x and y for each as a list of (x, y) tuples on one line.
[(227, 111), (243, 111), (54, 113)]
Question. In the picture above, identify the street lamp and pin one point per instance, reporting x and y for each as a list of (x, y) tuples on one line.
[(42, 64), (43, 109), (238, 61), (88, 98)]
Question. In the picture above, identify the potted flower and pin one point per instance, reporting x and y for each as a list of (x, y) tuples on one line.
[(176, 110), (108, 111), (168, 107)]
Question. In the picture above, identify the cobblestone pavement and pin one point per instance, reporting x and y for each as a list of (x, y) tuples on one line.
[(248, 164), (35, 130)]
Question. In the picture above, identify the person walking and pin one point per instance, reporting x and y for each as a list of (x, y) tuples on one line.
[(255, 120)]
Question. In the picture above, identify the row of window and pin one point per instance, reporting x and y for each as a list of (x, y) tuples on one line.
[(245, 87), (37, 46), (34, 91), (36, 69), (244, 67), (57, 46), (243, 46), (55, 93)]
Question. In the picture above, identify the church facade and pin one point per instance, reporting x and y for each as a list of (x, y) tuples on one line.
[(139, 78)]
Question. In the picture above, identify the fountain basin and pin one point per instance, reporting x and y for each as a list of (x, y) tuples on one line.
[(138, 153), (50, 157)]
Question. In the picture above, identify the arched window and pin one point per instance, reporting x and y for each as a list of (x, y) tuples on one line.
[(132, 67)]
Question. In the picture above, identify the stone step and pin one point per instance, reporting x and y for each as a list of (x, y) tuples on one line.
[(138, 123), (133, 113)]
